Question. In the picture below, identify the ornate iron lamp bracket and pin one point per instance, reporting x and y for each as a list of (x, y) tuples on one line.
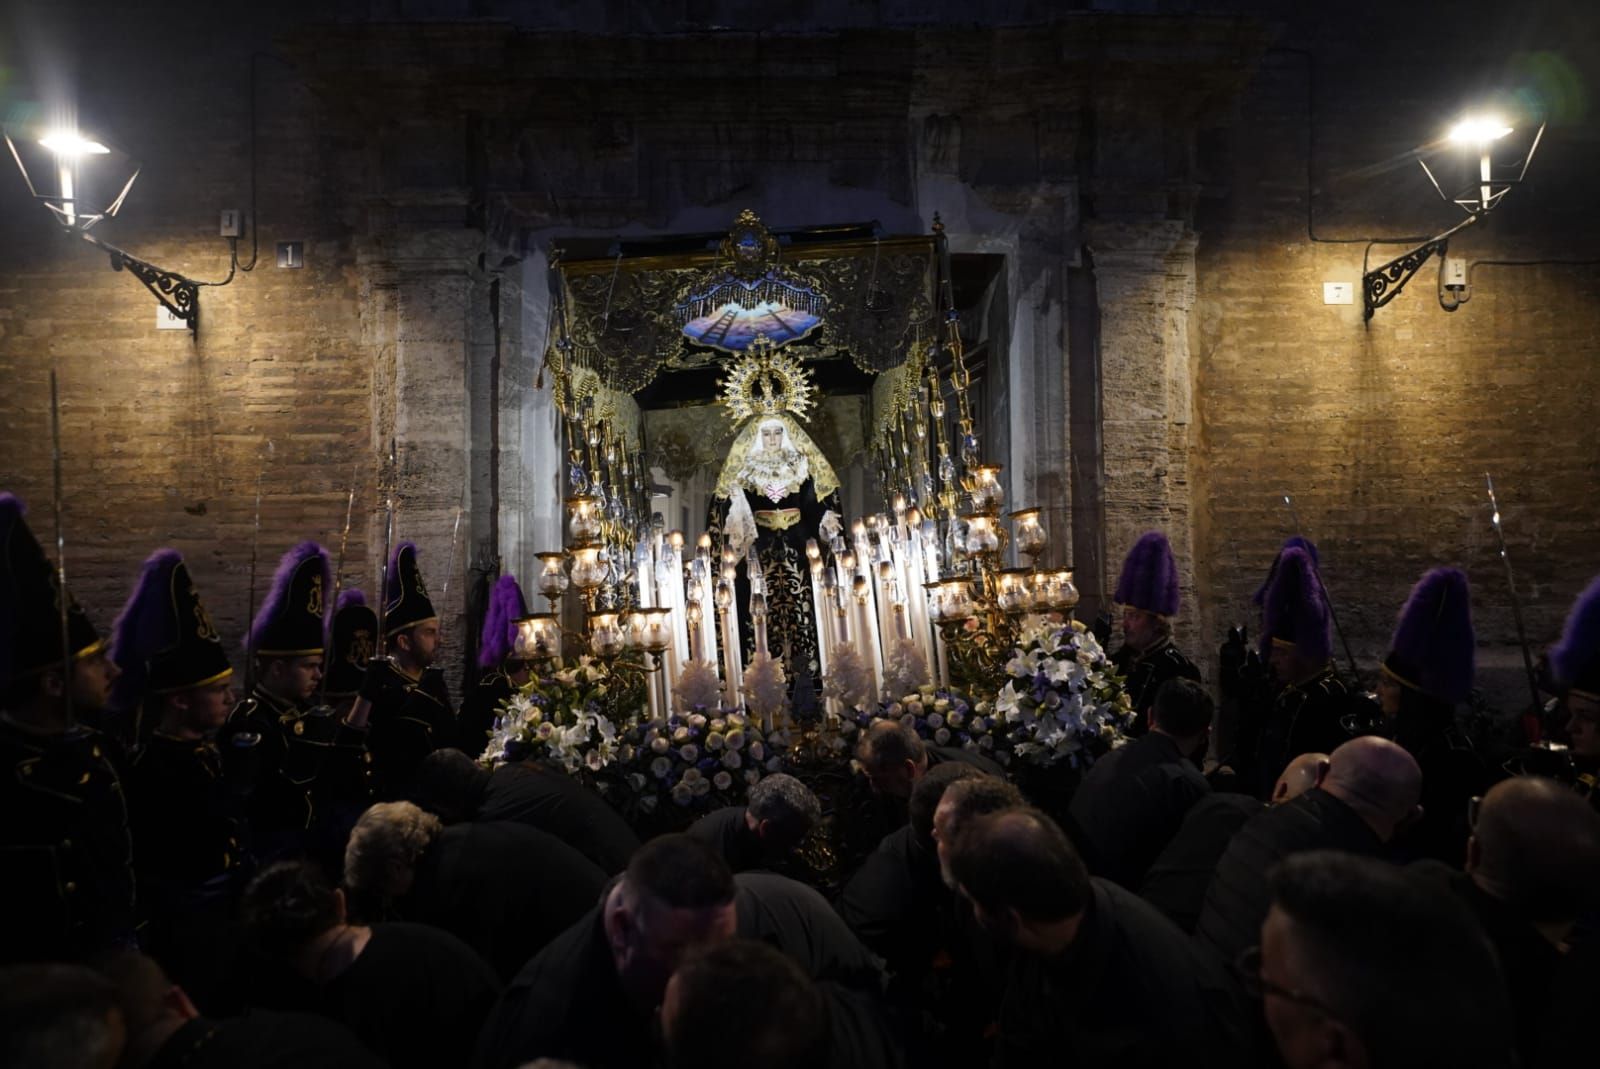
[(177, 294), (1383, 284)]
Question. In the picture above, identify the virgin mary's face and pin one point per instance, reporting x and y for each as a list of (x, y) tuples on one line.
[(771, 437)]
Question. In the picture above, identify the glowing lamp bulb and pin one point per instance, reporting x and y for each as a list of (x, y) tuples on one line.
[(1479, 130), (69, 144)]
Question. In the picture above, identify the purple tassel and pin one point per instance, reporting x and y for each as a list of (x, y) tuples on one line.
[(1433, 638), (1293, 542), (1579, 647), (144, 627), (347, 598), (506, 607), (1294, 606), (1149, 578)]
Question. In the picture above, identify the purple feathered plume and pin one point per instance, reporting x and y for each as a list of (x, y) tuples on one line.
[(272, 605), (144, 627), (1293, 542), (1434, 636), (349, 597), (1149, 578), (506, 606), (1295, 606), (1580, 638)]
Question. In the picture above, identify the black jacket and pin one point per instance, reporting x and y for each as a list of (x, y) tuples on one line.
[(1239, 896), (1177, 880), (410, 719), (1131, 804), (416, 996), (504, 889), (568, 1003), (303, 763), (1452, 774), (68, 884), (1131, 991), (554, 802), (262, 1040)]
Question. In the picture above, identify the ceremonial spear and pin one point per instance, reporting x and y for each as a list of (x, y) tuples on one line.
[(255, 548), (455, 540), (1355, 672), (1516, 602), (362, 708), (338, 573), (61, 547)]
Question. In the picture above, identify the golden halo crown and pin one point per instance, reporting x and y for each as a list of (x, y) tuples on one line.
[(766, 382)]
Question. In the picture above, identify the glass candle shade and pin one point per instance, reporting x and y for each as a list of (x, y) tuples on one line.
[(1014, 590), (1029, 532), (606, 635), (588, 570), (982, 538), (553, 580), (583, 518), (987, 493), (538, 637)]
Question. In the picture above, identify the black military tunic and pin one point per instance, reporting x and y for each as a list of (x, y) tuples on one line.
[(410, 719), (1177, 880), (1452, 774), (480, 707), (1304, 718), (66, 865), (307, 776), (191, 859), (1144, 672)]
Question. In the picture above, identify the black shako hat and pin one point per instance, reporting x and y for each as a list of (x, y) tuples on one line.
[(406, 601), (163, 640), (355, 640), (30, 604), (293, 619)]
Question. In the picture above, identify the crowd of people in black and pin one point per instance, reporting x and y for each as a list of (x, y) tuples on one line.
[(322, 873)]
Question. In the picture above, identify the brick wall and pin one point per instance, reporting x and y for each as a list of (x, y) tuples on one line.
[(1382, 432)]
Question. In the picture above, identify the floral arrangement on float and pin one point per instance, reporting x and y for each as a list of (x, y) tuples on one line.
[(1063, 700), (589, 719), (1062, 704)]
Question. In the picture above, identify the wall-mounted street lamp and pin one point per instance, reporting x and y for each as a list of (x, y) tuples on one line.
[(1479, 196), (69, 150)]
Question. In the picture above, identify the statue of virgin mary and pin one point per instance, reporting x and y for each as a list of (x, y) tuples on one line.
[(776, 490)]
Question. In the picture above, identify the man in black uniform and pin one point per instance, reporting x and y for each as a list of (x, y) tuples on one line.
[(307, 770), (1307, 714), (354, 639), (1133, 800), (1147, 590), (1427, 672), (455, 788), (1575, 662), (590, 995), (501, 673), (68, 885), (188, 826), (411, 712), (504, 889), (1098, 977)]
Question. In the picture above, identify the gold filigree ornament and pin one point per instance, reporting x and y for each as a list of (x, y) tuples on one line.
[(765, 383)]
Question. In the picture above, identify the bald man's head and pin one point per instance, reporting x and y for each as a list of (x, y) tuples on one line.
[(1298, 778), (1536, 846), (1376, 778)]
